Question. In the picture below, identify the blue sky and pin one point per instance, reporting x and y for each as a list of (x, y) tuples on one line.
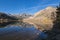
[(25, 6)]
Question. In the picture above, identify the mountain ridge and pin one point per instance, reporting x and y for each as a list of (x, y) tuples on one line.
[(45, 17)]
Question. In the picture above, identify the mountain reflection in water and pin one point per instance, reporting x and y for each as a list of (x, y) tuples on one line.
[(20, 31)]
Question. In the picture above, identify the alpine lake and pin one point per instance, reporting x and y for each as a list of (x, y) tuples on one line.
[(20, 31)]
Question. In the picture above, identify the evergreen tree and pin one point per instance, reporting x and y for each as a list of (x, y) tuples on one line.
[(57, 22)]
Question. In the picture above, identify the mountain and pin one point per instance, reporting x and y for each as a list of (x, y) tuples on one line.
[(6, 18), (48, 12), (43, 17)]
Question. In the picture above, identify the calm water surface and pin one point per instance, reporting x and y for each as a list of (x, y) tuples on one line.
[(20, 31)]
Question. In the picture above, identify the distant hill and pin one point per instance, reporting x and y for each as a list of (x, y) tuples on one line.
[(23, 16), (6, 16)]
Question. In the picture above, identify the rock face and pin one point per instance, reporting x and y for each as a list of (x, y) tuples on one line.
[(48, 12), (44, 18)]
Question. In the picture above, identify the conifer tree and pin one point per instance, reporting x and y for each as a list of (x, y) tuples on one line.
[(57, 22)]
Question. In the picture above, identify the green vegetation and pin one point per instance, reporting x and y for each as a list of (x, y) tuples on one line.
[(58, 15)]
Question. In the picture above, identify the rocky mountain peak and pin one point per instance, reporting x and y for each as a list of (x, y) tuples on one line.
[(49, 7)]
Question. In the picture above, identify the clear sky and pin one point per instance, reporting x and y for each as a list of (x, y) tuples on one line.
[(25, 6)]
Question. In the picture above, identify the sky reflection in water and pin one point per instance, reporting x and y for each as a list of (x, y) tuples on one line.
[(21, 32)]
